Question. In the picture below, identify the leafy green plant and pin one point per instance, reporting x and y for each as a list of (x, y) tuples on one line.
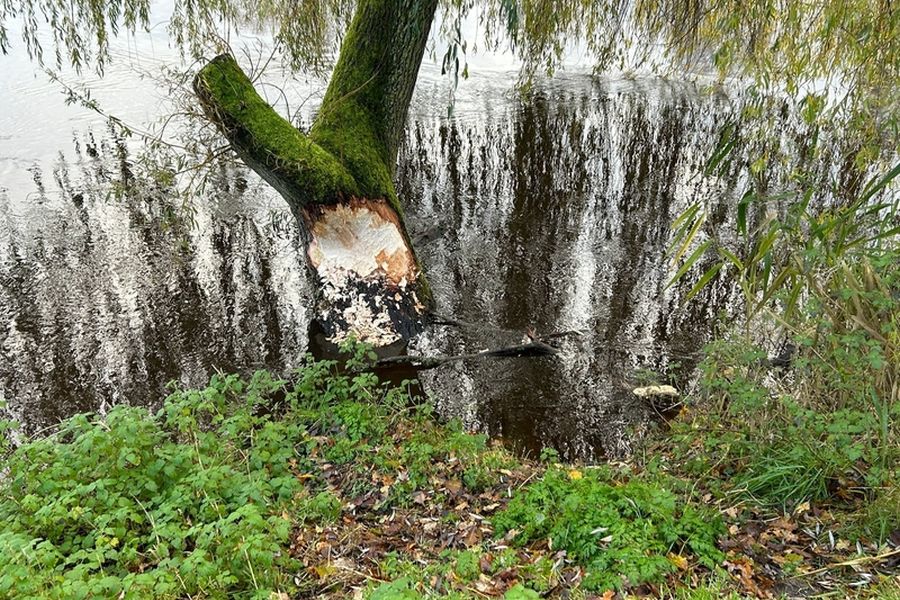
[(401, 589), (147, 506), (784, 449), (549, 455), (622, 533), (520, 592), (199, 499), (827, 274), (324, 507), (826, 270)]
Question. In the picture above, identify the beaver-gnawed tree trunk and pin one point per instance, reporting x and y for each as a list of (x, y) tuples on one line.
[(338, 179)]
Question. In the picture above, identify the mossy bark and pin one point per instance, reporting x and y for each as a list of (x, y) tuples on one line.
[(340, 174), (301, 170)]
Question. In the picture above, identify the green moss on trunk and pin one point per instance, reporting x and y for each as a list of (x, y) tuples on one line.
[(295, 165), (352, 146)]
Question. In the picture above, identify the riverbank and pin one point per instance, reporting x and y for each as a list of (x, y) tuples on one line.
[(335, 487)]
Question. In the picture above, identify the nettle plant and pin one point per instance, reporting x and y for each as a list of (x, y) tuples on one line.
[(197, 500), (185, 502), (624, 534)]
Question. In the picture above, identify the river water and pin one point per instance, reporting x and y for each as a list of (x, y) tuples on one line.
[(542, 212)]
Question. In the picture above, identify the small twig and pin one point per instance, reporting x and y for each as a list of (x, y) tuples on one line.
[(527, 480), (853, 562), (359, 573)]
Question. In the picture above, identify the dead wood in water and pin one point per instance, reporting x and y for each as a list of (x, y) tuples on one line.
[(532, 346), (436, 319), (422, 363)]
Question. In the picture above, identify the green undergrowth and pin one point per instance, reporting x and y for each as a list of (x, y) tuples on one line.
[(821, 426), (206, 498), (781, 448), (625, 532), (824, 430), (621, 532), (229, 491), (201, 498)]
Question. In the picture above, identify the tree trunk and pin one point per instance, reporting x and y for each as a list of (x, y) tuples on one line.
[(338, 179)]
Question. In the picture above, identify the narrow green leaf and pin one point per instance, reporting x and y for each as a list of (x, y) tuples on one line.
[(742, 211), (732, 258), (765, 244), (776, 285), (696, 254), (703, 281), (690, 237), (865, 240), (725, 145), (790, 303), (873, 188), (681, 224)]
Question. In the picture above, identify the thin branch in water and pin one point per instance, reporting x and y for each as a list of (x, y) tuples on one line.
[(535, 349)]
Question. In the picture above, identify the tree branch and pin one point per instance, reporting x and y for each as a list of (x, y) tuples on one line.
[(423, 363), (301, 170)]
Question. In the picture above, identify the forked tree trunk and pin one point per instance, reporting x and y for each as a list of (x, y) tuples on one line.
[(338, 179)]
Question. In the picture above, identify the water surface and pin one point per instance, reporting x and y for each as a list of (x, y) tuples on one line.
[(533, 214)]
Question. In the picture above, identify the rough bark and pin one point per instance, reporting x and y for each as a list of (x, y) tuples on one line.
[(369, 92), (338, 179)]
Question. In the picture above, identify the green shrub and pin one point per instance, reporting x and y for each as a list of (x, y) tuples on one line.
[(199, 499), (880, 518), (152, 506), (324, 507), (787, 448), (400, 589), (622, 533), (520, 592), (825, 273)]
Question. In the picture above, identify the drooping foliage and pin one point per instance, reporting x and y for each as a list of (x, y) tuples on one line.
[(81, 30), (850, 47), (856, 42), (836, 58)]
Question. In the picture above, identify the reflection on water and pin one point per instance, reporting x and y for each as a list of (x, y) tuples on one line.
[(555, 216), (547, 213), (104, 299)]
